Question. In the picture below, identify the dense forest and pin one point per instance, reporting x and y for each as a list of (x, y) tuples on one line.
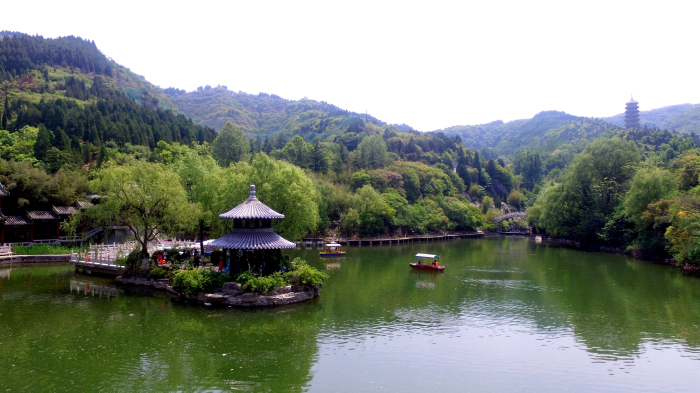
[(65, 103), (74, 122)]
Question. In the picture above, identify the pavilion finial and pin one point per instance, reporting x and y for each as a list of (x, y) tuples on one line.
[(252, 190)]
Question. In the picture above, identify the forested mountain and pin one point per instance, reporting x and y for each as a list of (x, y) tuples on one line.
[(544, 132), (265, 114), (684, 118), (70, 99)]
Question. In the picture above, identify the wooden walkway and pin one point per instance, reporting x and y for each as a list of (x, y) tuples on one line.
[(408, 239)]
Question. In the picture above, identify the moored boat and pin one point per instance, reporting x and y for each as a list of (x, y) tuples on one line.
[(433, 266)]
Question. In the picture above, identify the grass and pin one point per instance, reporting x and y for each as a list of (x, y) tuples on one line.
[(43, 249)]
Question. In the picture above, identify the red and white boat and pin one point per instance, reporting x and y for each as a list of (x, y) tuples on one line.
[(432, 263)]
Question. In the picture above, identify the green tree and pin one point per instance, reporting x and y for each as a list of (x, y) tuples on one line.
[(230, 145), (145, 197), (298, 152), (319, 161), (280, 185), (372, 152), (43, 143), (200, 176), (580, 206)]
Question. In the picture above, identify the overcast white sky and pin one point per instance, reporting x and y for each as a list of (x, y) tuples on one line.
[(428, 64)]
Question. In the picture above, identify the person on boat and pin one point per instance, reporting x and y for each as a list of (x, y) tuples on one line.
[(435, 263)]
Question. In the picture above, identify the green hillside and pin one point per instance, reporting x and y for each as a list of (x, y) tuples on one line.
[(74, 102), (544, 132), (265, 114), (684, 118)]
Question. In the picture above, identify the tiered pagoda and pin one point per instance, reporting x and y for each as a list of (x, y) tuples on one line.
[(632, 114), (252, 243)]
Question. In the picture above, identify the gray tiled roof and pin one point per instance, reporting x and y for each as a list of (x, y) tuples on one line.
[(250, 209), (83, 205), (41, 215), (16, 221), (63, 210), (252, 239)]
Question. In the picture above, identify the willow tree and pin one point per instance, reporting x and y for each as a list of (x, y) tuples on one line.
[(280, 185), (145, 197)]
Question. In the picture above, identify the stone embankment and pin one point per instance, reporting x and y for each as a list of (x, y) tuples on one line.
[(231, 294), (13, 259)]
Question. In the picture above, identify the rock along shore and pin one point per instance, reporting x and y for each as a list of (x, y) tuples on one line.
[(231, 294)]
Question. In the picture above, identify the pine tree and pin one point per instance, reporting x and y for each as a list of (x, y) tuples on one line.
[(43, 142), (5, 114)]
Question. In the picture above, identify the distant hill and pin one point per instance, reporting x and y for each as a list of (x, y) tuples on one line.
[(544, 131), (82, 97), (265, 114), (684, 118)]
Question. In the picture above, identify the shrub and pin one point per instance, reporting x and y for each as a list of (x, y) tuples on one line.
[(192, 281), (158, 272), (303, 274), (133, 261), (264, 284)]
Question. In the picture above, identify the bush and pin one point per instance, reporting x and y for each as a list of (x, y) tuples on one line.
[(303, 274), (264, 284), (158, 272), (133, 261), (195, 280)]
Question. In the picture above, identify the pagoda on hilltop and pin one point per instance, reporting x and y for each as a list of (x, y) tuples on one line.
[(632, 114), (252, 244)]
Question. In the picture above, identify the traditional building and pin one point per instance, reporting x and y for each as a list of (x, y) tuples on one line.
[(632, 114), (252, 244)]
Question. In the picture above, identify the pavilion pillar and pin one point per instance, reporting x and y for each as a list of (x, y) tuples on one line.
[(31, 233), (2, 234), (58, 230)]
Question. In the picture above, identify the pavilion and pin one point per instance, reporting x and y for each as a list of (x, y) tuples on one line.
[(252, 243)]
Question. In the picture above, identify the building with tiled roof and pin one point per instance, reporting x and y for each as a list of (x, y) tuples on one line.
[(63, 211), (252, 241)]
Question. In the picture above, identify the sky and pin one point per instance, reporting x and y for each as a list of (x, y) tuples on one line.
[(429, 64)]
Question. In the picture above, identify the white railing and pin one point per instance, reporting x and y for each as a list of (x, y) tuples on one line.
[(6, 250), (104, 254)]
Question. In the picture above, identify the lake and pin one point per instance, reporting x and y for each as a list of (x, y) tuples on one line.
[(507, 314)]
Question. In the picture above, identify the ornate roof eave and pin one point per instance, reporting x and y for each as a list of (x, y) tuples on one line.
[(252, 208), (252, 239)]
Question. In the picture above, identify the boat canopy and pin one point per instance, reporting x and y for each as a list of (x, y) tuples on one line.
[(419, 255), (332, 245)]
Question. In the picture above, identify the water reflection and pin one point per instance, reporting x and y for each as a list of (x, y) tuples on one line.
[(507, 314)]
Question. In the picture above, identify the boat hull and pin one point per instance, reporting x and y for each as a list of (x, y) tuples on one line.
[(332, 254), (418, 266)]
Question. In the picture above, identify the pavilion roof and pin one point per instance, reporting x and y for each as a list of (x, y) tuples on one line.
[(252, 208), (252, 239), (41, 215)]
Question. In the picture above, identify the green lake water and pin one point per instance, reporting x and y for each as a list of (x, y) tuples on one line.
[(506, 315)]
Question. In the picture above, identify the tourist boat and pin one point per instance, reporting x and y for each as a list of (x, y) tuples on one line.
[(332, 250), (434, 265)]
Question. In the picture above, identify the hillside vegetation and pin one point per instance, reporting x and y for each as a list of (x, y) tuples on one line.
[(684, 118), (64, 103), (544, 132), (265, 114)]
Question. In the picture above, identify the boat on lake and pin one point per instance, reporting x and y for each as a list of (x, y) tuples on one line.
[(332, 250), (432, 266)]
